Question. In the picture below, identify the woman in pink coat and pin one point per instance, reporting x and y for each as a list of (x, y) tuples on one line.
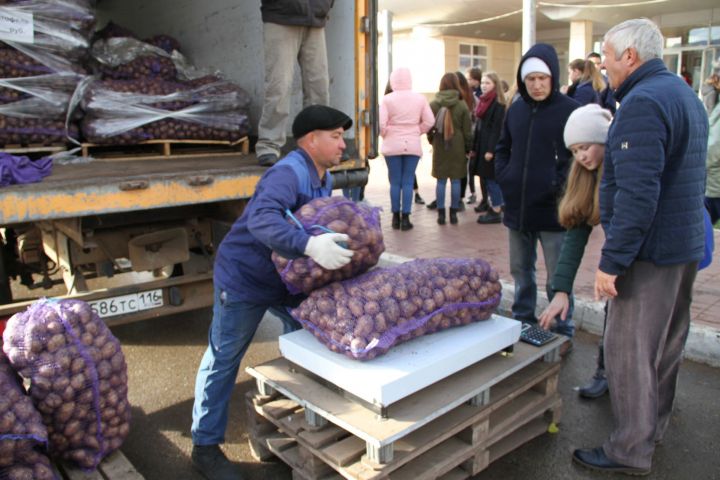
[(404, 116)]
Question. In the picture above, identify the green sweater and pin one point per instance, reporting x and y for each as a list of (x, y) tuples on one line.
[(571, 254)]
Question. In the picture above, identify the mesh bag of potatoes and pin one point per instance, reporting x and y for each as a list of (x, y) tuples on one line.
[(365, 316), (77, 374), (358, 221), (22, 433)]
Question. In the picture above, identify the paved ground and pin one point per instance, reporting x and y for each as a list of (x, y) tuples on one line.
[(163, 356)]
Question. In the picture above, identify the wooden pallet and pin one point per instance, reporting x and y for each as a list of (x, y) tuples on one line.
[(113, 467), (153, 149), (33, 148), (453, 429)]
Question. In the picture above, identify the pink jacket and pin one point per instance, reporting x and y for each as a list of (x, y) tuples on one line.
[(404, 116)]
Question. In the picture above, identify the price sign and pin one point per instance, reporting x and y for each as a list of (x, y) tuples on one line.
[(16, 26)]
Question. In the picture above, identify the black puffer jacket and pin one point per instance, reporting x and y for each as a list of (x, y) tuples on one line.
[(303, 13), (531, 161)]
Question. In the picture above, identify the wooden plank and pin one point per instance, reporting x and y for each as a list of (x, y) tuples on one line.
[(72, 472), (311, 464), (455, 474), (329, 434), (345, 451), (521, 436), (117, 467), (33, 149), (513, 415), (280, 408), (436, 461), (293, 423), (136, 151), (412, 412)]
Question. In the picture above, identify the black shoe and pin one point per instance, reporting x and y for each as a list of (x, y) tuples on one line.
[(472, 199), (432, 205), (405, 222), (267, 159), (441, 216), (483, 207), (419, 200), (212, 463), (453, 216), (490, 217), (595, 459), (396, 221), (597, 387)]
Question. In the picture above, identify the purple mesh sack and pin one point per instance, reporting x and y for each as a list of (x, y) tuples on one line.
[(365, 316), (78, 377), (21, 431), (359, 221)]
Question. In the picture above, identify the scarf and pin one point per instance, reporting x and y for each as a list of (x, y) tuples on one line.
[(484, 103)]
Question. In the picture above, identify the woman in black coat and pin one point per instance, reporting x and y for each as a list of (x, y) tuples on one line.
[(489, 114)]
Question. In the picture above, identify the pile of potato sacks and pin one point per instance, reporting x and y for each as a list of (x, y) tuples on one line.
[(76, 404), (362, 313)]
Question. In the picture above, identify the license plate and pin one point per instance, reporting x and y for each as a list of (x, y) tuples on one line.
[(123, 304)]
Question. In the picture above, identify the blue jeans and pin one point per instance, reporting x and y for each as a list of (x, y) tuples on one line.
[(233, 326), (353, 193), (401, 173), (496, 196), (523, 255), (454, 193)]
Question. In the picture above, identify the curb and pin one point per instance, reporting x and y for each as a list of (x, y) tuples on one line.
[(703, 342)]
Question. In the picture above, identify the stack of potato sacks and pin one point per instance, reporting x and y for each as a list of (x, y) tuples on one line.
[(362, 313), (147, 91), (76, 407), (38, 79)]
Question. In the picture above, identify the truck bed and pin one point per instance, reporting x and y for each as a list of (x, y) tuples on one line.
[(113, 186)]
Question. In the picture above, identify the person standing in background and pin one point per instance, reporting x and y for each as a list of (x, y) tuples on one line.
[(293, 33), (489, 114), (531, 165), (404, 117), (607, 100), (467, 95), (451, 139), (587, 82), (651, 209)]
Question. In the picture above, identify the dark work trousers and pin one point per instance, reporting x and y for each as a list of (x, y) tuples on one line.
[(647, 325)]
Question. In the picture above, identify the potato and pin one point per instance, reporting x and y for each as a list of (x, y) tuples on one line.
[(387, 306)]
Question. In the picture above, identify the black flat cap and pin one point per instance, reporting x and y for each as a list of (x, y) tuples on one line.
[(319, 117)]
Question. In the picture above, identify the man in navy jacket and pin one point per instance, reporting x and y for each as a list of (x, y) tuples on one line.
[(651, 209), (531, 165), (245, 280)]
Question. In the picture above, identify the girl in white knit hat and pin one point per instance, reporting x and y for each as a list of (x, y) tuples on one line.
[(579, 211)]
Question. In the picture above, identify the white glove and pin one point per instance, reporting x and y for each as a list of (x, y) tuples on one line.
[(326, 252)]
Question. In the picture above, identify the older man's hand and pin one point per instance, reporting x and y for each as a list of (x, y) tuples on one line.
[(604, 286)]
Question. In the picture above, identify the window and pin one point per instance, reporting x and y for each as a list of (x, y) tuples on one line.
[(472, 56)]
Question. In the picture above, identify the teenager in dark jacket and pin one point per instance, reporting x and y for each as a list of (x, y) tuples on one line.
[(587, 82), (489, 114), (531, 165), (651, 209)]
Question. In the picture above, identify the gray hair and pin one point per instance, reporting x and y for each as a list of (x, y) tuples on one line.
[(639, 33)]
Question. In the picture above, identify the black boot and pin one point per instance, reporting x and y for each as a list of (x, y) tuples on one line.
[(598, 386), (405, 225), (432, 205), (418, 199), (396, 220), (490, 217), (441, 216), (212, 463), (453, 216)]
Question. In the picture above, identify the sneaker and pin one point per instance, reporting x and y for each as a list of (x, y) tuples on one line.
[(483, 207), (212, 463), (267, 159), (419, 200), (472, 199), (490, 217)]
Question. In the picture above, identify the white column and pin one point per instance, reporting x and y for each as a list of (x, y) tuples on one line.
[(581, 36), (528, 26)]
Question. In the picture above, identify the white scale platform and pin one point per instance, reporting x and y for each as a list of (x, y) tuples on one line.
[(407, 368)]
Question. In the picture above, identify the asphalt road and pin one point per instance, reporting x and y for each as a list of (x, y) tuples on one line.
[(163, 355)]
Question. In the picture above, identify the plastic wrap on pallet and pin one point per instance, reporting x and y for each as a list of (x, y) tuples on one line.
[(60, 41), (35, 131), (78, 377), (127, 58), (116, 113), (367, 315), (22, 432)]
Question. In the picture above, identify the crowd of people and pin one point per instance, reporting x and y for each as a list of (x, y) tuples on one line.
[(552, 162)]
